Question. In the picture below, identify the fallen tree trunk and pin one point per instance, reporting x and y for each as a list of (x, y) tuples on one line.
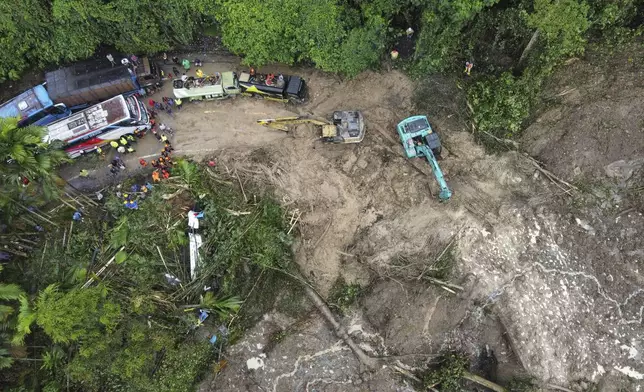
[(369, 362)]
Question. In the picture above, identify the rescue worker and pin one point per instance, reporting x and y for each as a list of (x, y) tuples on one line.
[(130, 138), (178, 102), (123, 141), (199, 73), (114, 144), (130, 149), (468, 67), (164, 138), (100, 152), (84, 173)]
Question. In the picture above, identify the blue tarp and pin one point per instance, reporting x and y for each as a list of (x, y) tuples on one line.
[(26, 104)]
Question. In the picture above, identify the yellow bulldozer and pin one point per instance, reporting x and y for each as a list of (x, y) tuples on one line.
[(346, 126)]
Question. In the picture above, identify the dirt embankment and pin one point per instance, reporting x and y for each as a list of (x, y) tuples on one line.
[(547, 287)]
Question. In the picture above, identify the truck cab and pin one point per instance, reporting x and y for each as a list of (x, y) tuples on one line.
[(34, 107), (148, 75)]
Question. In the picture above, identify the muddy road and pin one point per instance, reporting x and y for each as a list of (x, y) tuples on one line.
[(551, 282)]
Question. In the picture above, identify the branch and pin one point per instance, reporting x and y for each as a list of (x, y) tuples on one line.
[(481, 381)]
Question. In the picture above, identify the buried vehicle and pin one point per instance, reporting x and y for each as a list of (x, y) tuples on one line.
[(346, 126)]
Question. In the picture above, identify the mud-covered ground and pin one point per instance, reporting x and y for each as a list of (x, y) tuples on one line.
[(550, 277)]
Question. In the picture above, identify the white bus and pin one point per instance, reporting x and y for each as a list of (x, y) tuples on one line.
[(99, 124)]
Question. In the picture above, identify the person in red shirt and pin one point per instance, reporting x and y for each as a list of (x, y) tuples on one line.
[(143, 162)]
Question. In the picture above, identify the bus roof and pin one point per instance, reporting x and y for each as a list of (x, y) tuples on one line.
[(26, 104), (92, 119)]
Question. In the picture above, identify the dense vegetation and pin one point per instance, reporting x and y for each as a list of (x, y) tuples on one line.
[(67, 325)]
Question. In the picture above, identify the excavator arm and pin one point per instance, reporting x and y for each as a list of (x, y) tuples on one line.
[(445, 193), (282, 123)]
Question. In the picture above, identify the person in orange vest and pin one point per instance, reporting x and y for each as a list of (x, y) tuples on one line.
[(155, 176)]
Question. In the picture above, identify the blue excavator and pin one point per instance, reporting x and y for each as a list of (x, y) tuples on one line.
[(419, 140)]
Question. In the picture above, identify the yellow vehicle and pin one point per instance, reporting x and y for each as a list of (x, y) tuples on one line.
[(345, 126)]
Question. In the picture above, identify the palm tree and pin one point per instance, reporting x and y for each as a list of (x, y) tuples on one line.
[(24, 155)]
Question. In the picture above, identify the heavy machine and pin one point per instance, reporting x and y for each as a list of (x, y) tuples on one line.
[(346, 126), (419, 140)]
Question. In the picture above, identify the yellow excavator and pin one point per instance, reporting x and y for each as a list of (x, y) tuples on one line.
[(346, 126)]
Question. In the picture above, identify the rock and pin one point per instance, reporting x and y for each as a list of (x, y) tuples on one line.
[(622, 169), (584, 225)]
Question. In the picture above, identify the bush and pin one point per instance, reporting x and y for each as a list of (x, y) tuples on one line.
[(502, 104)]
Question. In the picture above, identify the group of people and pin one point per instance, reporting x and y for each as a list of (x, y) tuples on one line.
[(185, 63), (137, 192), (125, 144), (162, 165), (166, 105)]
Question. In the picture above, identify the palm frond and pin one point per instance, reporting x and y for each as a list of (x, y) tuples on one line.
[(9, 292), (26, 317)]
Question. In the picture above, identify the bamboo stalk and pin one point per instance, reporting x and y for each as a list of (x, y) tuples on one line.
[(35, 213), (69, 239), (100, 271), (486, 383)]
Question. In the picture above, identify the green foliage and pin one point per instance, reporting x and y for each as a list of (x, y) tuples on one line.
[(562, 24), (182, 366), (24, 32), (523, 384), (223, 306), (24, 154), (441, 34), (343, 294), (79, 313), (326, 32), (501, 105), (448, 377), (134, 331)]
